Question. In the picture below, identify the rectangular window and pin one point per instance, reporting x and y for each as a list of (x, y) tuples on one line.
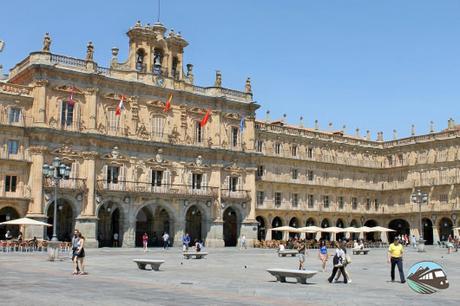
[(294, 151), (157, 177), (311, 201), (277, 198), (443, 197), (13, 146), (66, 114), (326, 201), (113, 173), (295, 174), (197, 180), (10, 183), (198, 132), (390, 160), (260, 197), (368, 204), (235, 132), (259, 145), (310, 153), (354, 203), (401, 159), (341, 202), (158, 124), (260, 171), (14, 115), (295, 199), (277, 148), (233, 183), (376, 204), (310, 175), (113, 120)]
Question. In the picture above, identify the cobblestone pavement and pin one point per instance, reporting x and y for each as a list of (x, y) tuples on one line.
[(226, 277)]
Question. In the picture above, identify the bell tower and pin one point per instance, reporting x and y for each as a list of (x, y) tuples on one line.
[(152, 50)]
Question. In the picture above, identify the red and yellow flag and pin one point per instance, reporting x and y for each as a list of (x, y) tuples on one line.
[(168, 103), (205, 118)]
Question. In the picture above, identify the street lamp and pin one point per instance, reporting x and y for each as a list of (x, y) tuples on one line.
[(57, 171), (420, 197)]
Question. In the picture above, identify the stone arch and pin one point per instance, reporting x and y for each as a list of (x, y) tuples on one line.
[(111, 219), (231, 226), (8, 213), (310, 221), (277, 222), (66, 214), (293, 222), (261, 228), (354, 223), (445, 228), (340, 223), (154, 219), (400, 227), (195, 223)]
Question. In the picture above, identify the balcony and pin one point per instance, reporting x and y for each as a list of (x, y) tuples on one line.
[(14, 89), (22, 192), (147, 188), (235, 194), (22, 155), (22, 121), (72, 183)]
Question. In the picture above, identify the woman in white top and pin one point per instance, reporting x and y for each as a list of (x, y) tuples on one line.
[(339, 260)]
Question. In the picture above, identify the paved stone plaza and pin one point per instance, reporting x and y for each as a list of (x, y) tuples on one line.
[(227, 277)]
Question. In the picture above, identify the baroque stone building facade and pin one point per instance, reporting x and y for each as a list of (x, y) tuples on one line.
[(143, 169)]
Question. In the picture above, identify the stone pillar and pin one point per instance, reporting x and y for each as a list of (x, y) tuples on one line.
[(215, 237), (435, 234), (129, 233), (87, 226), (251, 186), (39, 107), (36, 182), (91, 182), (249, 134), (249, 229), (91, 104)]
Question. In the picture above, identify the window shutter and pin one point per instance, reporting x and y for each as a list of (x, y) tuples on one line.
[(167, 178), (76, 112), (73, 170), (205, 180), (189, 179), (227, 183), (62, 121), (121, 177), (239, 184), (104, 172)]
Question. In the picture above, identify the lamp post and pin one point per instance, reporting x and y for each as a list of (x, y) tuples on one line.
[(420, 197), (57, 171)]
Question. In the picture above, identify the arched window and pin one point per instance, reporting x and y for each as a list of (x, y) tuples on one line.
[(157, 60), (174, 71), (140, 55)]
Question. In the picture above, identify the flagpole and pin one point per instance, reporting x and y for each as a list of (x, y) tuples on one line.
[(159, 10)]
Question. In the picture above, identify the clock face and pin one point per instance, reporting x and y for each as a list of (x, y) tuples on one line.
[(160, 81)]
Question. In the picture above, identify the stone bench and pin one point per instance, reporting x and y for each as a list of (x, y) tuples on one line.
[(359, 251), (197, 255), (284, 253), (300, 275), (154, 264)]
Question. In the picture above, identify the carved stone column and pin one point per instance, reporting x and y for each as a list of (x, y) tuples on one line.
[(91, 102), (91, 183), (39, 107), (36, 207)]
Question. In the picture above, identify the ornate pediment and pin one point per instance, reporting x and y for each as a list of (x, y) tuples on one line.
[(70, 89), (117, 97), (156, 104), (233, 116), (158, 162), (233, 168), (198, 165), (65, 150), (115, 155), (196, 110)]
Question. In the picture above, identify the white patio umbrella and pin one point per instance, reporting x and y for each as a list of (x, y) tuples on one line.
[(333, 230), (286, 230), (310, 229), (25, 221), (351, 229), (381, 229)]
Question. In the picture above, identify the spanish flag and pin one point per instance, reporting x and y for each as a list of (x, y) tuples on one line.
[(205, 118), (168, 103)]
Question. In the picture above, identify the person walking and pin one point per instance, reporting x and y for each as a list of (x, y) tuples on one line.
[(74, 242), (322, 254), (338, 262), (79, 258), (243, 242), (302, 253), (185, 242), (346, 262), (395, 258), (165, 240), (115, 240), (145, 241), (414, 241)]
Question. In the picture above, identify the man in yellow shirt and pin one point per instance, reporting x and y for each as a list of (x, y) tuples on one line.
[(395, 257)]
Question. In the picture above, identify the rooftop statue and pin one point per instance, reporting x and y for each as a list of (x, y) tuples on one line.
[(90, 51), (46, 42)]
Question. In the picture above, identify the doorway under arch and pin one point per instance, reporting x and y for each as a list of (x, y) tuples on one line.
[(325, 223), (153, 220), (230, 227), (277, 235), (310, 222), (372, 236), (445, 229), (400, 227), (65, 220), (354, 236), (195, 224), (427, 231), (341, 224), (260, 228), (6, 214), (293, 223), (108, 224)]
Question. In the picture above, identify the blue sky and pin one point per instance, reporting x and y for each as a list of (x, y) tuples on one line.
[(377, 65)]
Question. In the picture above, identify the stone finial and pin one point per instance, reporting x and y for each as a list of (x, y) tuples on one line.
[(431, 127), (90, 51), (267, 116), (2, 45), (412, 130), (115, 55), (190, 73), (368, 135), (248, 87), (395, 135), (301, 122), (450, 123), (218, 82), (380, 136), (284, 118), (330, 125), (316, 125), (46, 42), (357, 132), (344, 127)]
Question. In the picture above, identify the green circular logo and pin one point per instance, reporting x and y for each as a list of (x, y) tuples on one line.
[(427, 277)]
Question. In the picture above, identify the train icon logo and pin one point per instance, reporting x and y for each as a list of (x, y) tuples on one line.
[(427, 277)]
